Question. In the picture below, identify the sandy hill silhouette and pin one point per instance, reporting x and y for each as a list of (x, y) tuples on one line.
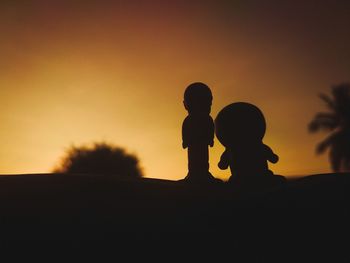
[(98, 209)]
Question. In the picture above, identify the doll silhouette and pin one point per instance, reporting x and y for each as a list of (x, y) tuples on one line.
[(241, 127), (198, 131)]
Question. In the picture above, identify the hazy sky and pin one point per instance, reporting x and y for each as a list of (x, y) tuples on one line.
[(85, 71)]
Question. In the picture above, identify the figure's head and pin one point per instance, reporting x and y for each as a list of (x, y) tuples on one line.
[(239, 123), (198, 98)]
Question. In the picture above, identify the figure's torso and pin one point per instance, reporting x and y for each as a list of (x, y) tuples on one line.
[(248, 159), (198, 130)]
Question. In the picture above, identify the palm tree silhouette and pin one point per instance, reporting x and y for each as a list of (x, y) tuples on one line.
[(336, 121)]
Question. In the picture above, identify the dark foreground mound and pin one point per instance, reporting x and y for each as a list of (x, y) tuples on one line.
[(81, 210)]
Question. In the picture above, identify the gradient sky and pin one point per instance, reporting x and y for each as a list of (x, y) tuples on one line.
[(75, 72)]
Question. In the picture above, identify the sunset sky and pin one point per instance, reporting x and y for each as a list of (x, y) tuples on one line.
[(76, 72)]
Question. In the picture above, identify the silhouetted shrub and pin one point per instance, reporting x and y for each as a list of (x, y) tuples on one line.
[(101, 158)]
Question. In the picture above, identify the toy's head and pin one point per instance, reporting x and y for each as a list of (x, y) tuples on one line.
[(238, 123), (198, 98)]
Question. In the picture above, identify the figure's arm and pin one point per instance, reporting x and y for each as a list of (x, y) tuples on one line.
[(224, 161), (274, 158), (270, 155)]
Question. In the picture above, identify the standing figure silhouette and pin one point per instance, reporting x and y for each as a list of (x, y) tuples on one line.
[(198, 131)]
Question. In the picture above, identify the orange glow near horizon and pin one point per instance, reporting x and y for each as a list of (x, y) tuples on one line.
[(83, 73)]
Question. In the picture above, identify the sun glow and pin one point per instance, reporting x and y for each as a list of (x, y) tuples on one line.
[(117, 73)]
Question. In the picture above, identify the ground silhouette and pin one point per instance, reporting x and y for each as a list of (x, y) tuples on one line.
[(309, 214), (336, 121), (100, 158)]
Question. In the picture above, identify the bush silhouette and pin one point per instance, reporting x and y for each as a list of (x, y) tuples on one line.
[(101, 158)]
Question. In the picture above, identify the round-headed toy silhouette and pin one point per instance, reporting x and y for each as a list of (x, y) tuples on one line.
[(237, 121), (241, 127)]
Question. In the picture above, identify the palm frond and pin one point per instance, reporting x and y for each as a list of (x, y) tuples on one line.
[(329, 102), (326, 115), (322, 147), (330, 141), (323, 121)]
